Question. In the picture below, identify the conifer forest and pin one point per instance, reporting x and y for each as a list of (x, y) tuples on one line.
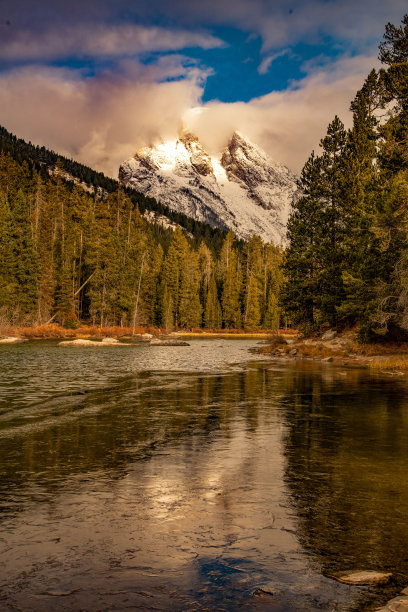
[(347, 258), (67, 255), (75, 246)]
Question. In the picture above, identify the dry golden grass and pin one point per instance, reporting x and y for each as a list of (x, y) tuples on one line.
[(54, 330), (389, 363), (242, 332), (400, 348)]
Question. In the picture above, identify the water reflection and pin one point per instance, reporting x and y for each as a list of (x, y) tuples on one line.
[(192, 489), (346, 449)]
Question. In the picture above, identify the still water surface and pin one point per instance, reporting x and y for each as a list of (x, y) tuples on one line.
[(186, 478)]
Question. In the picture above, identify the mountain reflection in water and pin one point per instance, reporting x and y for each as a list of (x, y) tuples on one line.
[(193, 485)]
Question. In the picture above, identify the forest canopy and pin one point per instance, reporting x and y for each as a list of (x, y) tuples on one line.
[(82, 251), (347, 257)]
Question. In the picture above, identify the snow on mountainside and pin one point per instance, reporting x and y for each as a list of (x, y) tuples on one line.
[(245, 190)]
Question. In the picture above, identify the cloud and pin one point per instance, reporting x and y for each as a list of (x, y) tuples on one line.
[(99, 120), (269, 59), (283, 24), (97, 40), (279, 23), (102, 120), (287, 124)]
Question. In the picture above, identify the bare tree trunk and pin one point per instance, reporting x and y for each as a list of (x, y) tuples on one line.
[(75, 294)]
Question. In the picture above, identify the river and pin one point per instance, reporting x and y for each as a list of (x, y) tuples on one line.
[(196, 478)]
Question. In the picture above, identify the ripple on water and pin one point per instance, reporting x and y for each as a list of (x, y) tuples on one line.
[(183, 478)]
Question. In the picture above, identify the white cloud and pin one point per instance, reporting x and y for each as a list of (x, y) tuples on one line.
[(269, 59), (97, 40), (101, 120), (287, 124)]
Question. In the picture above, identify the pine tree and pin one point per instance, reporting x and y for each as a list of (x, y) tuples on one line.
[(252, 283), (230, 278), (25, 260), (272, 286), (8, 287), (302, 264), (331, 248), (360, 184), (172, 271), (213, 313), (190, 310)]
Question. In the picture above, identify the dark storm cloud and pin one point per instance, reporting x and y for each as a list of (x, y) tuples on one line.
[(279, 22)]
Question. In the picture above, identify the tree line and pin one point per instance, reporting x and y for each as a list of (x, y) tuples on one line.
[(42, 160), (347, 257), (70, 256)]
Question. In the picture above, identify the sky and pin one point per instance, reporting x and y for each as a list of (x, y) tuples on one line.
[(96, 80)]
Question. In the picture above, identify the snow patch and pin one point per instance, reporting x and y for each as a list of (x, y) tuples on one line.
[(244, 190)]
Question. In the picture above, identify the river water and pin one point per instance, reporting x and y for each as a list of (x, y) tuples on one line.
[(188, 478)]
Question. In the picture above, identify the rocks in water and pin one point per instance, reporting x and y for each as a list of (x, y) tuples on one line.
[(146, 336), (328, 359), (83, 342), (79, 342), (364, 577), (329, 335), (59, 592), (267, 589), (12, 340), (168, 342), (293, 352)]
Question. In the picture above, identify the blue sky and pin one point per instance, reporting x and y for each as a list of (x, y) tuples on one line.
[(97, 79), (240, 71)]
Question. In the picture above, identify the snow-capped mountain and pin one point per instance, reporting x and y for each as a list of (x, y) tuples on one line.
[(244, 190)]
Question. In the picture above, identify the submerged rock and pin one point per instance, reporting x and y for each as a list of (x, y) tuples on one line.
[(83, 342), (364, 577), (159, 342), (267, 589), (12, 340)]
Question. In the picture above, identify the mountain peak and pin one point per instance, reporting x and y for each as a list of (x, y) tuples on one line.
[(243, 190)]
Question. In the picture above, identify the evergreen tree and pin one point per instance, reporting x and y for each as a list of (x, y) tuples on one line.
[(172, 272), (252, 273), (190, 311), (25, 261), (272, 287), (213, 313), (302, 264), (360, 183), (230, 277)]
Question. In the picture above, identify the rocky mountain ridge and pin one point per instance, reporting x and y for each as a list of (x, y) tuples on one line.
[(244, 190)]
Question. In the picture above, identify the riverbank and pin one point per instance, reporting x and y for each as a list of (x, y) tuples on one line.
[(339, 349), (54, 332), (242, 334)]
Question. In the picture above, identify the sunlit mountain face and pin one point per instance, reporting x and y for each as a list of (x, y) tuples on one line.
[(242, 189)]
